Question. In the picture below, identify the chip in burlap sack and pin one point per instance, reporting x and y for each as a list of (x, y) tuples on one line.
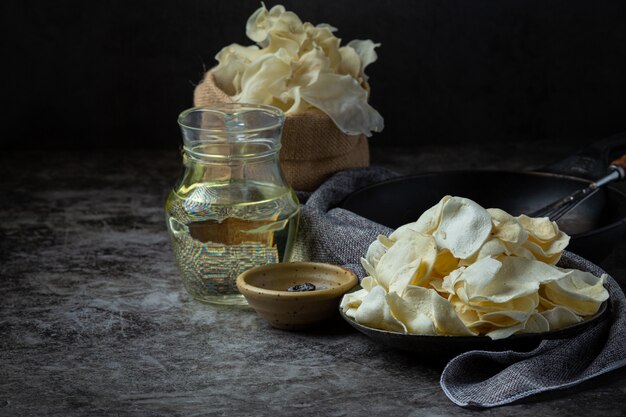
[(313, 148)]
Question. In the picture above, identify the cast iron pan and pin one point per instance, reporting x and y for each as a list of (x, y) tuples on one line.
[(596, 226)]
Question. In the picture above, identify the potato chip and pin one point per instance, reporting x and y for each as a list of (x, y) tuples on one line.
[(415, 321), (426, 223), (261, 76), (277, 19), (351, 302), (385, 241), (466, 313), (536, 323), (374, 312), (491, 248), (369, 268), (233, 60), (504, 314), (522, 252), (438, 309), (408, 261), (560, 317), (445, 263), (437, 284), (552, 252), (579, 291), (374, 252), (523, 303), (501, 281), (366, 51), (463, 228), (405, 231), (344, 100), (506, 227), (504, 332), (479, 275), (350, 63), (406, 275), (451, 283), (541, 228), (368, 283), (545, 241), (505, 318)]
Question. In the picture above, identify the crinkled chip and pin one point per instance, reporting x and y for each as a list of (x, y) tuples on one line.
[(406, 275), (500, 281), (475, 276), (350, 302), (536, 323), (365, 49), (463, 228), (504, 332), (527, 304), (374, 312), (579, 291), (368, 283), (507, 230), (438, 309), (466, 313), (445, 263), (404, 231), (353, 299), (560, 317), (550, 254), (505, 314), (369, 268), (408, 261), (416, 322), (437, 284), (505, 318), (375, 251), (491, 248), (540, 228)]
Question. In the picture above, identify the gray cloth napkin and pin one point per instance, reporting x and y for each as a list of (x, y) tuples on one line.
[(477, 378)]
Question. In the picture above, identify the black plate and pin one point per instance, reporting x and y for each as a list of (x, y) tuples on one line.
[(446, 346)]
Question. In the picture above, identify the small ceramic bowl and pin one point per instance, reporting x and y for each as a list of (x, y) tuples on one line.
[(265, 288)]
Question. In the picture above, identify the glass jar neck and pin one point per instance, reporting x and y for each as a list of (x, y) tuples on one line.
[(231, 131), (262, 167), (230, 142), (232, 152)]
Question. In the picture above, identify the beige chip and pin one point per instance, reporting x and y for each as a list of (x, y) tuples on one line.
[(374, 312), (463, 228), (580, 291), (500, 281), (438, 309), (410, 260)]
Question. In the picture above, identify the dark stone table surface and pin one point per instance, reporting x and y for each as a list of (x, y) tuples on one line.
[(94, 319)]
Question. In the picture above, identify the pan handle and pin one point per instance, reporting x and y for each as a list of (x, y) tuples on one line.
[(591, 162)]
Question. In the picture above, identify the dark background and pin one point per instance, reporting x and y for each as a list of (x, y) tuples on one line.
[(115, 74)]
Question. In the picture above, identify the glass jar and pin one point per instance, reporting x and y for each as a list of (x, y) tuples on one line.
[(232, 209)]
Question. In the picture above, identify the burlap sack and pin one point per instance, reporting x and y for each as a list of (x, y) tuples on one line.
[(313, 148)]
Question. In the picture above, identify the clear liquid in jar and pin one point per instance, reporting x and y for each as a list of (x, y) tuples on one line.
[(221, 229)]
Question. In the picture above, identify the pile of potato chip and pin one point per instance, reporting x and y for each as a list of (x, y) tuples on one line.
[(461, 269), (298, 66)]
